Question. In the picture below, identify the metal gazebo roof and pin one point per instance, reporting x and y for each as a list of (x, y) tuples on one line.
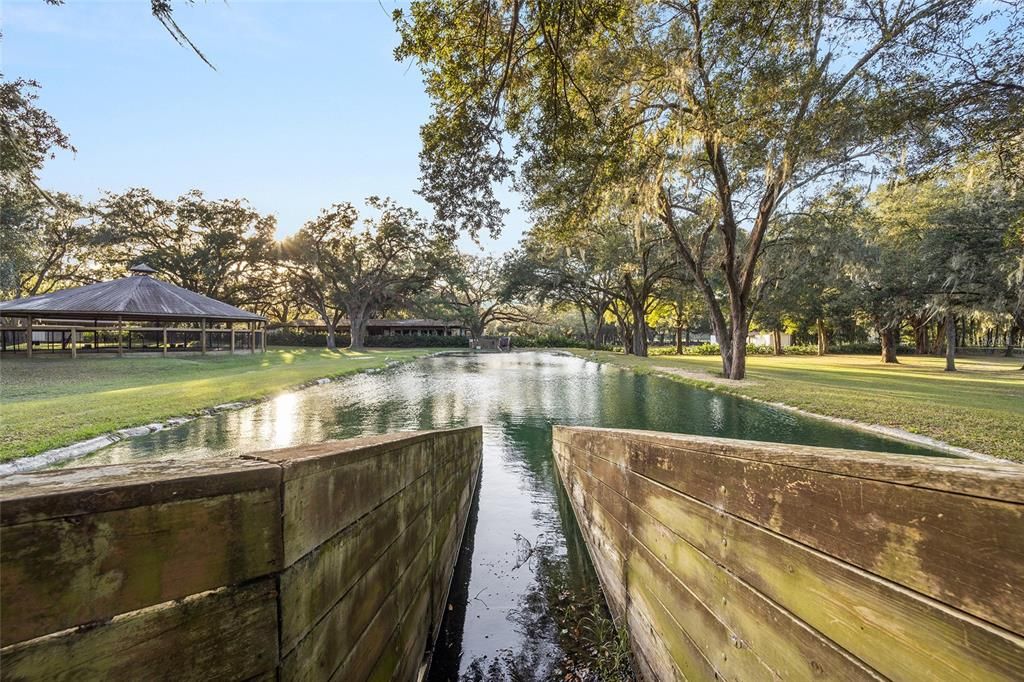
[(136, 297)]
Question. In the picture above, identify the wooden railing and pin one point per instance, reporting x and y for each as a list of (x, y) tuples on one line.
[(257, 337), (743, 560)]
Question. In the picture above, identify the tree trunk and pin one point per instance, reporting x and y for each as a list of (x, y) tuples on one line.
[(777, 342), (627, 337), (639, 330), (888, 338), (724, 338), (598, 329), (740, 329), (940, 338), (332, 343), (357, 332), (586, 327), (679, 340), (640, 341), (822, 337), (921, 338), (950, 342), (1011, 341)]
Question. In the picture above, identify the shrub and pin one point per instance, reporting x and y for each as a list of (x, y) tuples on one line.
[(846, 349), (551, 341), (702, 349), (417, 341), (804, 349), (290, 337)]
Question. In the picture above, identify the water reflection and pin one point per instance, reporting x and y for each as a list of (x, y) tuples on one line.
[(510, 618)]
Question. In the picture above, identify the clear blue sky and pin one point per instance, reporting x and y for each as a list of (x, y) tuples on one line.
[(307, 106)]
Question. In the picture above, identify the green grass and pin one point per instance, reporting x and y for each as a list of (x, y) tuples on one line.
[(49, 402), (980, 407)]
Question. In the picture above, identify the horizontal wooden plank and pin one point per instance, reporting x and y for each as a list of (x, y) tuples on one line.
[(748, 621), (316, 458), (994, 480), (358, 666), (445, 558), (319, 505), (404, 652), (822, 539), (316, 582), (965, 551), (336, 635), (897, 632), (608, 539), (685, 663), (60, 493), (227, 634), (63, 572)]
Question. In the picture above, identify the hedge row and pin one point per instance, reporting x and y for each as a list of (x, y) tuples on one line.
[(553, 341), (282, 337), (837, 349)]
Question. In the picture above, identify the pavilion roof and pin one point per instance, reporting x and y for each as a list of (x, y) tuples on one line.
[(135, 297)]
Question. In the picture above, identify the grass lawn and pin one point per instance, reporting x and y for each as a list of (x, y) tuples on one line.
[(980, 407), (48, 402)]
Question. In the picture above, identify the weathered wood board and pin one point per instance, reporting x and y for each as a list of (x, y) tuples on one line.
[(304, 563), (745, 560), (173, 531), (230, 633)]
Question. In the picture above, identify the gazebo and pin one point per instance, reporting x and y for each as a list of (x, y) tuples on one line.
[(138, 313)]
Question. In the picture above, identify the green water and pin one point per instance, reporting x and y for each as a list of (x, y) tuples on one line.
[(525, 603)]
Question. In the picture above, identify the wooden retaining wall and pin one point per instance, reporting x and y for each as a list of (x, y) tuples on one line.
[(737, 560), (323, 562)]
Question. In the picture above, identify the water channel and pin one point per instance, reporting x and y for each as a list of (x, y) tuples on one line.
[(525, 602)]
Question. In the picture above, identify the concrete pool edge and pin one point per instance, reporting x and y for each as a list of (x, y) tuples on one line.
[(889, 432)]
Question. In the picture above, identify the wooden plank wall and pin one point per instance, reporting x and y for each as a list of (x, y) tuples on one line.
[(736, 560), (281, 564)]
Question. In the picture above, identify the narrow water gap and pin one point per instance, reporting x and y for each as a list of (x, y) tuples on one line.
[(525, 603)]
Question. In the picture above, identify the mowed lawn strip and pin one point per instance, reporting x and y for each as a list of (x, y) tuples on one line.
[(49, 402), (980, 407)]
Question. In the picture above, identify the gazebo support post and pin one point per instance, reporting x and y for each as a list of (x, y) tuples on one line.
[(28, 338), (74, 343), (203, 334), (120, 336), (231, 325), (252, 338), (263, 337), (164, 347)]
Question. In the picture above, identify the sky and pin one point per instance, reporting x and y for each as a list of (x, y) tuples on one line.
[(307, 106)]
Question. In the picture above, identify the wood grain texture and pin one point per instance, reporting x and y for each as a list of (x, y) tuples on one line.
[(61, 493), (775, 565), (724, 614), (63, 572), (227, 634), (316, 582), (98, 564)]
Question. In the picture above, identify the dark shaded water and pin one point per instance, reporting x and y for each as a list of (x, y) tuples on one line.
[(525, 602)]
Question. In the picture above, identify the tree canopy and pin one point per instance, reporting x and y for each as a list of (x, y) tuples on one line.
[(710, 117)]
